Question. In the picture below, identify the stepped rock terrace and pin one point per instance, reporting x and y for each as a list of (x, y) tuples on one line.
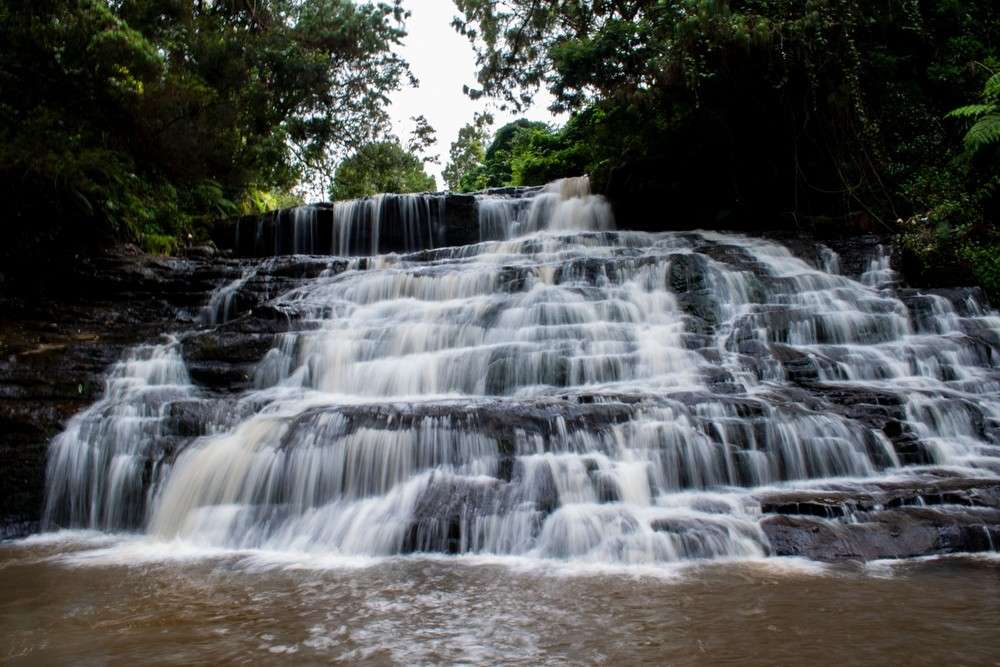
[(555, 389)]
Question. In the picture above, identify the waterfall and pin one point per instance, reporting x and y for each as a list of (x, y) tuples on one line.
[(361, 227), (563, 205), (98, 467), (560, 389)]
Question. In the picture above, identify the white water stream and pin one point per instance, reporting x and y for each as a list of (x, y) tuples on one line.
[(558, 390)]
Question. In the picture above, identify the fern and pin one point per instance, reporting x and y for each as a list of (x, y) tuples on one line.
[(971, 111), (986, 132), (991, 91)]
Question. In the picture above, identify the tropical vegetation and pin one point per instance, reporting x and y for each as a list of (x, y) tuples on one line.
[(827, 115), (383, 166), (148, 119)]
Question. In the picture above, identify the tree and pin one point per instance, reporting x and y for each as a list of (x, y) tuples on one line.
[(540, 155), (144, 118), (787, 108), (522, 152), (380, 167), (422, 137), (567, 46), (467, 153), (497, 167), (825, 115)]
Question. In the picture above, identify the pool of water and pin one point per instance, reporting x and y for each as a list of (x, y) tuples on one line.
[(89, 599)]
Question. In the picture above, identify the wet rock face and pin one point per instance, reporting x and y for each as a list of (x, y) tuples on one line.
[(381, 224), (56, 345), (902, 533), (560, 390), (891, 520), (58, 341)]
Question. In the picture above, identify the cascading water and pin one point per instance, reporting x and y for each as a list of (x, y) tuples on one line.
[(558, 390), (367, 226), (99, 469), (564, 205)]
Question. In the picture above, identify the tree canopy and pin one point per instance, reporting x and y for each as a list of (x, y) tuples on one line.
[(378, 167), (499, 164), (144, 117), (791, 113), (466, 154), (147, 119)]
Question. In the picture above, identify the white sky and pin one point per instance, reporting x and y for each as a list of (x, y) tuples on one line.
[(443, 61)]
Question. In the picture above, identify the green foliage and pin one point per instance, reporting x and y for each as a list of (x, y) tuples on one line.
[(496, 168), (984, 259), (143, 118), (972, 111), (985, 131), (957, 239), (383, 166), (422, 137), (826, 114), (467, 154), (257, 200), (159, 244), (532, 153)]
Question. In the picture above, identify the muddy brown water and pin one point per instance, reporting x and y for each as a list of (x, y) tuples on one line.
[(129, 602)]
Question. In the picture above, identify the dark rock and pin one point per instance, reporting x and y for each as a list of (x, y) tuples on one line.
[(203, 251), (798, 367), (884, 519), (900, 533), (58, 340), (442, 220), (437, 519)]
